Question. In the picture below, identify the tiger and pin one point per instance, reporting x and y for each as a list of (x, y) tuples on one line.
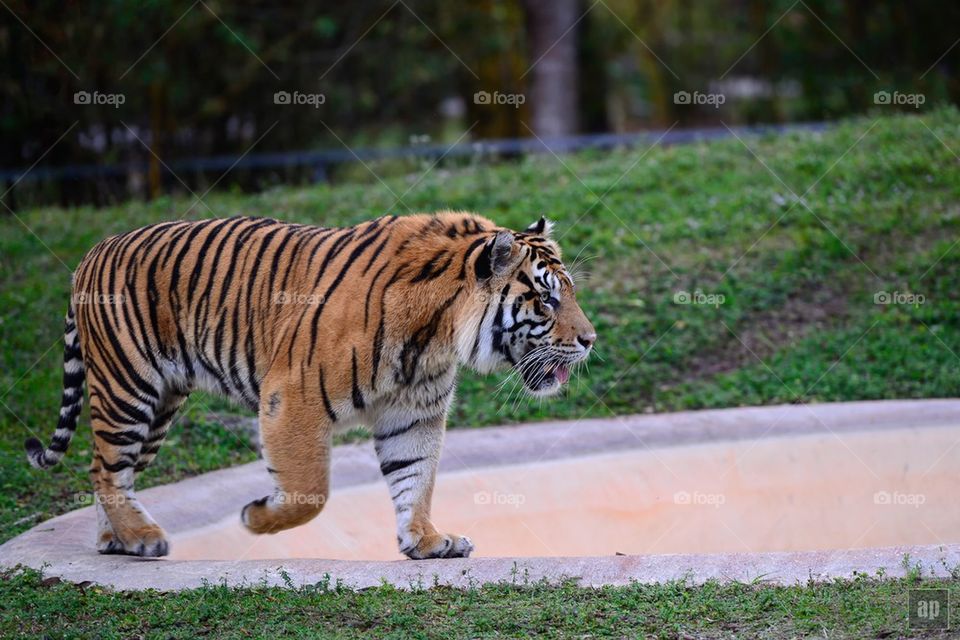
[(317, 330)]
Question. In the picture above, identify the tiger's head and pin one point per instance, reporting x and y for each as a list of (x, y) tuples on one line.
[(524, 312)]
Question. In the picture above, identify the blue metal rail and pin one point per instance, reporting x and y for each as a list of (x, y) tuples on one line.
[(323, 159)]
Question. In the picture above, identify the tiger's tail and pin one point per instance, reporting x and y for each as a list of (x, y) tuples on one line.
[(70, 404)]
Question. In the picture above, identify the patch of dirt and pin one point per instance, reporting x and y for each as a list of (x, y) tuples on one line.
[(766, 332)]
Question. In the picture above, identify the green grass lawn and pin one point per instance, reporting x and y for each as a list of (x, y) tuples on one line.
[(783, 242), (859, 608)]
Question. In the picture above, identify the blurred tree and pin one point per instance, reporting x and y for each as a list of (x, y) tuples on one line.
[(552, 44)]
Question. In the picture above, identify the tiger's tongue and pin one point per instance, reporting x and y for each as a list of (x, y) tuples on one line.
[(562, 373)]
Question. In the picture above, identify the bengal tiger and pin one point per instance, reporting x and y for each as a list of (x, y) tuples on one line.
[(316, 329)]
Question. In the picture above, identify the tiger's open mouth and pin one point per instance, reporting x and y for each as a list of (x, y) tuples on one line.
[(545, 379)]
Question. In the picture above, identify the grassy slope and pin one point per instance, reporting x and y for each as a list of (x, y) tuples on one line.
[(798, 320)]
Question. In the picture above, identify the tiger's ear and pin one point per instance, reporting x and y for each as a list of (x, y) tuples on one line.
[(498, 256), (541, 227)]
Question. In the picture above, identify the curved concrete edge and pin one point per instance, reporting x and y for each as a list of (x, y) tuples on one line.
[(63, 546), (124, 573)]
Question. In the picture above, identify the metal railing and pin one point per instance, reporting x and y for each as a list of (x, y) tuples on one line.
[(320, 161)]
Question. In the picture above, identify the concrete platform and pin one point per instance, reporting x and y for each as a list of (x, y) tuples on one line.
[(63, 546)]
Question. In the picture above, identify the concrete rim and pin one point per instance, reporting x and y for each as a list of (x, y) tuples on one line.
[(63, 546)]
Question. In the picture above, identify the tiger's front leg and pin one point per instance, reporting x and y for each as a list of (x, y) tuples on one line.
[(296, 446), (409, 451)]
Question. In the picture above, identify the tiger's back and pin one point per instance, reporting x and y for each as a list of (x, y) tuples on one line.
[(196, 294)]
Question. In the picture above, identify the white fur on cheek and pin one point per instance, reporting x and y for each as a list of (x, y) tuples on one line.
[(476, 320)]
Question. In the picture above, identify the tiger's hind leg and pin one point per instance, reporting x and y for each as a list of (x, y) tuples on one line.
[(296, 446), (165, 414), (121, 425), (107, 541)]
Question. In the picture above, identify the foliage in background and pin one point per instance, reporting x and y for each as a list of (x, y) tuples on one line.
[(199, 78)]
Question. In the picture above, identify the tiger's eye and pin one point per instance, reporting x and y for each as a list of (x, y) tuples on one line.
[(545, 297)]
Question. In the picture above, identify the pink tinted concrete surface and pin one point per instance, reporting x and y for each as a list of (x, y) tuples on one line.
[(783, 493)]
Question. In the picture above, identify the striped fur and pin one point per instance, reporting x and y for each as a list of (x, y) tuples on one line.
[(317, 329)]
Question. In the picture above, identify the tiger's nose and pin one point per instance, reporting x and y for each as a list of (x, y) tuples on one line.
[(587, 339)]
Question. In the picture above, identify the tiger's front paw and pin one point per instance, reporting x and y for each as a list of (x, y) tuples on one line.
[(437, 545)]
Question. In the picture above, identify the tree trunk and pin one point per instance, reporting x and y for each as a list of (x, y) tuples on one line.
[(552, 46)]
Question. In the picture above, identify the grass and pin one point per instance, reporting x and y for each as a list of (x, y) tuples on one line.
[(787, 240), (862, 607)]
